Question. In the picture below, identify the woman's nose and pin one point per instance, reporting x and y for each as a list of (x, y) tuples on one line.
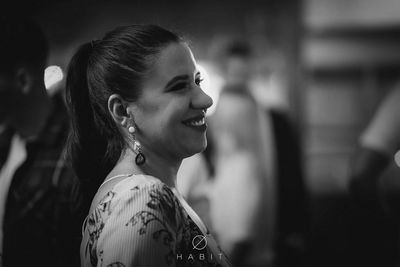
[(201, 100)]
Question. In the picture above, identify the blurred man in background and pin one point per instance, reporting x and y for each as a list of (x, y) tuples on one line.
[(38, 225), (377, 146), (373, 183)]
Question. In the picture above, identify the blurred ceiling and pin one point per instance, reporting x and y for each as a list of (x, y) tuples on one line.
[(342, 14)]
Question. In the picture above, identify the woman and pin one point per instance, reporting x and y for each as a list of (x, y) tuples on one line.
[(242, 202), (137, 110)]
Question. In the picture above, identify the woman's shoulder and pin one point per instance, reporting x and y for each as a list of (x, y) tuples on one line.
[(144, 185), (137, 193), (134, 186), (137, 197), (136, 182), (137, 211)]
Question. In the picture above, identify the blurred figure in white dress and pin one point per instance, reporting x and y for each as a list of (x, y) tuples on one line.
[(243, 201)]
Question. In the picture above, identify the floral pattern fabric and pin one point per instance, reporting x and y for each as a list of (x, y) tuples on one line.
[(141, 222)]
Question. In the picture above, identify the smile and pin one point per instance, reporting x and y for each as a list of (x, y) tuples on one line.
[(198, 123)]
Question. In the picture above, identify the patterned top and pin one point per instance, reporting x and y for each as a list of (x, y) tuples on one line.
[(142, 222)]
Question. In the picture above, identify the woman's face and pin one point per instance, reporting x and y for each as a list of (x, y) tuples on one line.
[(170, 113)]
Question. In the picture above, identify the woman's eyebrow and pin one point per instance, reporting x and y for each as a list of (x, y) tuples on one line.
[(177, 78)]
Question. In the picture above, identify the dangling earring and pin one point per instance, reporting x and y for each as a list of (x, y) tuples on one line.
[(137, 148), (140, 158)]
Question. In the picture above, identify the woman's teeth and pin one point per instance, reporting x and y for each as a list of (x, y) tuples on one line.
[(199, 122)]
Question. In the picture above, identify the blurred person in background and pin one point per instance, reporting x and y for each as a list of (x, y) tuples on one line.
[(137, 111), (377, 146), (373, 186), (243, 198), (39, 225), (259, 207)]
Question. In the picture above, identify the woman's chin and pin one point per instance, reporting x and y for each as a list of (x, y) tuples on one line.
[(196, 148)]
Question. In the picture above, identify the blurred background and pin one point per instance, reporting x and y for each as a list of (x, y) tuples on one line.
[(327, 63)]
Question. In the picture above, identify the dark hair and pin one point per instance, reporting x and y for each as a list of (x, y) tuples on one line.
[(118, 63), (22, 43)]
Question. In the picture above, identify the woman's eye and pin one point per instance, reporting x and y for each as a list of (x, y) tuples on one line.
[(198, 81)]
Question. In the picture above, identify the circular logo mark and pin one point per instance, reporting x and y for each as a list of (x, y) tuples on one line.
[(199, 242)]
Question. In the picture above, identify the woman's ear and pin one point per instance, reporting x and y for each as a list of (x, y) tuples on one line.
[(118, 110)]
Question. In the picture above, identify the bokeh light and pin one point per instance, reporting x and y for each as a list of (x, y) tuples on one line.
[(53, 75)]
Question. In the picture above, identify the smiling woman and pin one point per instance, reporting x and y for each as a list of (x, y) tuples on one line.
[(172, 107), (137, 111)]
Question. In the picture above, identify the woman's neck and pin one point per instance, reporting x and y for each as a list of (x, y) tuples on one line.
[(155, 166)]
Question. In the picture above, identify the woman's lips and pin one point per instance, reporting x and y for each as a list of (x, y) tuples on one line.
[(197, 123)]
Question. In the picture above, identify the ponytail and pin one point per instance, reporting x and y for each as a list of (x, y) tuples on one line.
[(86, 145), (116, 64)]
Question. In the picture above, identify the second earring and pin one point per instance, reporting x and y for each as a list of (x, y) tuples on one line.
[(140, 159)]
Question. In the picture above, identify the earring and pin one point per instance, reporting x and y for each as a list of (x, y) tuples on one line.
[(140, 158), (131, 129), (137, 148)]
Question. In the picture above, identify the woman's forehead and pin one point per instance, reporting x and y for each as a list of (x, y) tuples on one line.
[(175, 59)]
